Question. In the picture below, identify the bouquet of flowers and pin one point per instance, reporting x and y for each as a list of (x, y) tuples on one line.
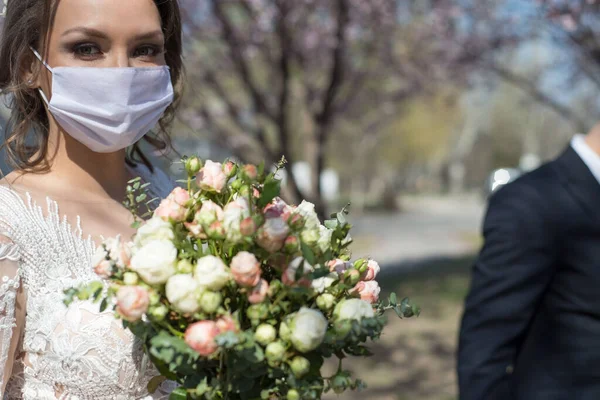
[(238, 295)]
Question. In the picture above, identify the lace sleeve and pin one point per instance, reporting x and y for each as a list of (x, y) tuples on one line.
[(12, 310)]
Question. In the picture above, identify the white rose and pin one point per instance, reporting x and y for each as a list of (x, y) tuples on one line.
[(324, 241), (154, 229), (308, 329), (353, 309), (307, 210), (182, 292), (320, 284), (118, 251), (211, 273), (155, 261), (233, 214)]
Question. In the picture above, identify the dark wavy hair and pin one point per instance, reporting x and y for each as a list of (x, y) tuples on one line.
[(27, 23)]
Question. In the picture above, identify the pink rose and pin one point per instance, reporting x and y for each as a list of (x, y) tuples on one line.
[(259, 292), (245, 269), (229, 168), (103, 269), (132, 302), (368, 291), (248, 226), (174, 206), (200, 336), (227, 324), (209, 206), (272, 234), (195, 229), (250, 171), (216, 230), (211, 177), (276, 208), (339, 266), (118, 251), (291, 244), (372, 270)]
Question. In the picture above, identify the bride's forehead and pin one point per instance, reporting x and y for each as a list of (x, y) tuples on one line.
[(110, 16)]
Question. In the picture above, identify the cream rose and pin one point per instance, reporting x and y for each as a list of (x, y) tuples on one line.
[(211, 177), (211, 273), (155, 262), (200, 336), (183, 292), (372, 270), (132, 302), (154, 229), (308, 329), (102, 266), (353, 309), (320, 284), (324, 241)]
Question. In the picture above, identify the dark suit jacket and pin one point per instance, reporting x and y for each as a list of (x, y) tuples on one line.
[(531, 328)]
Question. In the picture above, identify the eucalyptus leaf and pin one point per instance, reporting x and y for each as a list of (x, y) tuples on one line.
[(178, 394), (308, 254)]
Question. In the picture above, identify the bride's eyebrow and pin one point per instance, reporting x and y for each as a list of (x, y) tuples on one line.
[(157, 34)]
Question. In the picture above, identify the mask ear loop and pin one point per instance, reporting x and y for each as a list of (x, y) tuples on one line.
[(39, 57)]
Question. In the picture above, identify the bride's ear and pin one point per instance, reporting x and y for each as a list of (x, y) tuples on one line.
[(30, 67)]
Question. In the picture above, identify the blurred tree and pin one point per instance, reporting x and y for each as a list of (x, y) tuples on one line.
[(281, 77)]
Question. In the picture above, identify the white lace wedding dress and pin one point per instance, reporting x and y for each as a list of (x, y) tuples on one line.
[(70, 353)]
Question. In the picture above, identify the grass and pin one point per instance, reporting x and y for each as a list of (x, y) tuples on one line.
[(415, 358)]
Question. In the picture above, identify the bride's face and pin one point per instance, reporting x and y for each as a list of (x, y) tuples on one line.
[(106, 33)]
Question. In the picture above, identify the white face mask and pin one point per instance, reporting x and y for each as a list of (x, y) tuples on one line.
[(108, 109)]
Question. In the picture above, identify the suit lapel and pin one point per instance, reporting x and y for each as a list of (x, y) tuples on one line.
[(580, 182)]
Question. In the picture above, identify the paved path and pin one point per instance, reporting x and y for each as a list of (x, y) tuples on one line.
[(427, 227)]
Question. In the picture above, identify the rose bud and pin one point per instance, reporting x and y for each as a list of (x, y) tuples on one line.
[(293, 394), (211, 177), (245, 269), (300, 366), (209, 213), (275, 352), (229, 168), (216, 231), (326, 301), (210, 301), (295, 221), (158, 313), (308, 329), (250, 172), (130, 278), (291, 244), (193, 165), (185, 267), (132, 302), (310, 236), (182, 292), (102, 266), (248, 226), (259, 292), (371, 271), (200, 336), (265, 334), (227, 324), (369, 291), (352, 276), (257, 312)]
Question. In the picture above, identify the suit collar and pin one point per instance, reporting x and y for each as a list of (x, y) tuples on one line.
[(579, 181)]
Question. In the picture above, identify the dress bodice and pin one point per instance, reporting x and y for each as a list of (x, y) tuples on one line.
[(70, 353)]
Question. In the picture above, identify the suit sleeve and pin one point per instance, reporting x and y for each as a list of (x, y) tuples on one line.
[(510, 277)]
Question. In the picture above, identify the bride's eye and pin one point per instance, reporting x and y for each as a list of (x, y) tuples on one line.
[(86, 50), (147, 51)]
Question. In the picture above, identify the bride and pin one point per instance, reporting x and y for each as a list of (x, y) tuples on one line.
[(87, 79)]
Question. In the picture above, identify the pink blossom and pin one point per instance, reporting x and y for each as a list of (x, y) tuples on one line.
[(339, 266), (103, 269), (248, 226), (211, 177), (368, 291), (372, 270), (245, 269), (276, 208), (272, 234), (200, 336), (227, 324), (259, 292), (174, 206), (132, 302)]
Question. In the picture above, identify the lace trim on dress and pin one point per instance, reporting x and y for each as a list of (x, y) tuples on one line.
[(8, 295)]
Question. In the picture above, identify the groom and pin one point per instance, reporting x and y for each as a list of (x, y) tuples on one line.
[(531, 327)]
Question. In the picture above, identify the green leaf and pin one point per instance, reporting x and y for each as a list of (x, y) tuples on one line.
[(393, 299), (141, 197), (261, 168), (178, 394), (319, 273), (331, 224), (155, 383), (398, 312), (270, 190), (104, 304), (136, 185), (308, 254)]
